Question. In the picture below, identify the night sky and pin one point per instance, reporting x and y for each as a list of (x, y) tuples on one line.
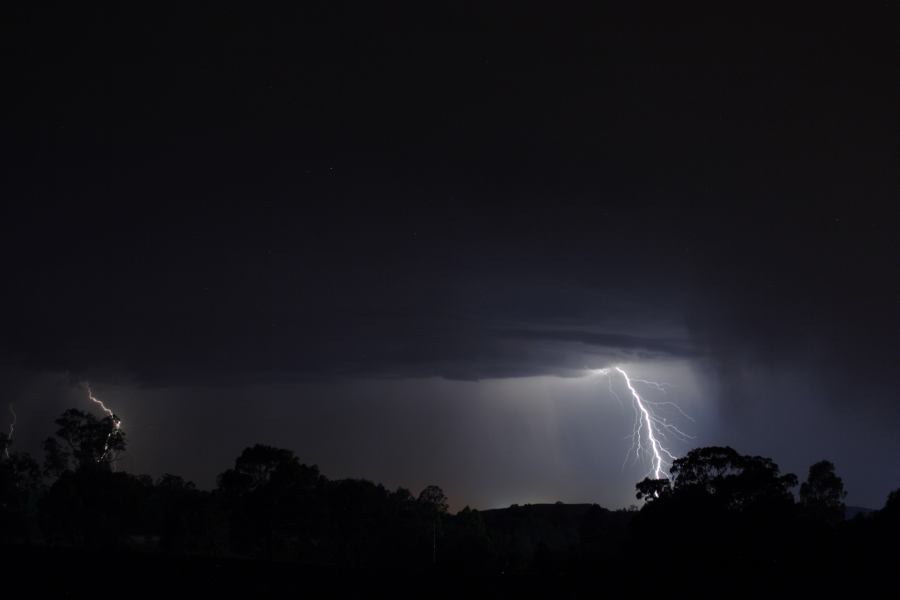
[(401, 252)]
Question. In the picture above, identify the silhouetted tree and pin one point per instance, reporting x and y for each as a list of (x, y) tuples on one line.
[(433, 498), (256, 466), (890, 514), (893, 502), (466, 546), (822, 494), (601, 532), (183, 517), (434, 503), (174, 483), (95, 507), (273, 501), (82, 440), (88, 504), (363, 521), (403, 496), (720, 498), (19, 480), (650, 489), (737, 481)]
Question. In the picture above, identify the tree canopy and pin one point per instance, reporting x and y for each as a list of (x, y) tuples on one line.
[(82, 440), (720, 474), (822, 494)]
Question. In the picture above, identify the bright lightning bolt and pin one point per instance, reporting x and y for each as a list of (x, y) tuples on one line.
[(117, 422), (12, 429), (648, 425), (102, 406)]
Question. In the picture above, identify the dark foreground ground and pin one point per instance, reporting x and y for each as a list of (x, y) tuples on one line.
[(36, 572)]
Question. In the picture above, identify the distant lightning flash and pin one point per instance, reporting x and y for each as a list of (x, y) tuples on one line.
[(12, 429), (117, 422), (649, 425)]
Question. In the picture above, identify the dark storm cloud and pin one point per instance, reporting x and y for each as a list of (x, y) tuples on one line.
[(640, 346), (295, 338)]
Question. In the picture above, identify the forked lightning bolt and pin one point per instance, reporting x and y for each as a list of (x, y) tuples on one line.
[(117, 422), (649, 425)]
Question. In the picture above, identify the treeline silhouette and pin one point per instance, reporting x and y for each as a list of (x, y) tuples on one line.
[(721, 514)]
